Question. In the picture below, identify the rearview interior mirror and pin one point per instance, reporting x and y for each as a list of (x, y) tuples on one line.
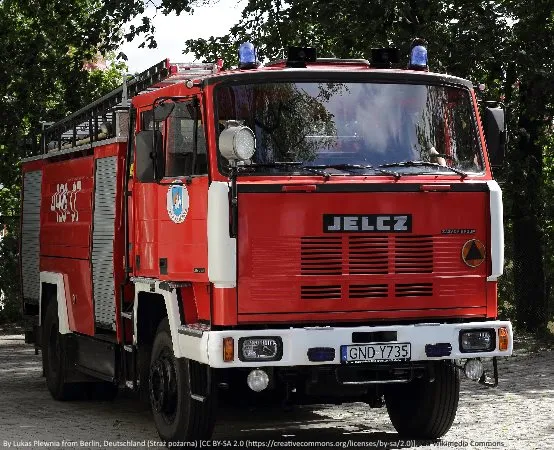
[(149, 163), (494, 124)]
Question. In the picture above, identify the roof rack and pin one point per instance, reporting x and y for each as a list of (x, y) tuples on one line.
[(106, 117), (323, 61)]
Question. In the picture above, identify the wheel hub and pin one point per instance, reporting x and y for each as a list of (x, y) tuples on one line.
[(163, 388)]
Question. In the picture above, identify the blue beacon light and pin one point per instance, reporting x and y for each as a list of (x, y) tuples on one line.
[(418, 56), (247, 56)]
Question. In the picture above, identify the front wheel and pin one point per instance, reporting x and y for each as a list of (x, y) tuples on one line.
[(182, 395), (53, 357), (422, 409)]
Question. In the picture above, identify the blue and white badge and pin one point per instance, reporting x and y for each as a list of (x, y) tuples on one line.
[(177, 202)]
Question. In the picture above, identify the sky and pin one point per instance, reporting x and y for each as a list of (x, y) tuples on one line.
[(172, 31)]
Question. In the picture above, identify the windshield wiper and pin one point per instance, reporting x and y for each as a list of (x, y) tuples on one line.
[(349, 168), (271, 164), (314, 169), (319, 170), (425, 164)]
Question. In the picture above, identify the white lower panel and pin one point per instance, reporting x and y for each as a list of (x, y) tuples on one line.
[(208, 348)]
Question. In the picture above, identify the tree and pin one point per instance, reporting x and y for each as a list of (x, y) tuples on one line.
[(508, 45), (42, 77), (531, 95)]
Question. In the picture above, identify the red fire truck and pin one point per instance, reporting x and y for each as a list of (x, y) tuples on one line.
[(326, 230)]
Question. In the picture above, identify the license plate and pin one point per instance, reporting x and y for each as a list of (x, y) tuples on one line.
[(375, 352)]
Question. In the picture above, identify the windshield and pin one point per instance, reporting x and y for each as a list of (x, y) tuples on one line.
[(362, 124)]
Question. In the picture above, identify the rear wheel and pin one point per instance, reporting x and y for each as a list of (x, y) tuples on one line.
[(182, 409), (53, 357), (422, 409)]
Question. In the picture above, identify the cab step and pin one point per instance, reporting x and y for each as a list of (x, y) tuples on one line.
[(194, 329)]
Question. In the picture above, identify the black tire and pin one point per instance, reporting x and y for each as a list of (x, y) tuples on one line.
[(144, 355), (53, 357), (178, 416), (423, 409)]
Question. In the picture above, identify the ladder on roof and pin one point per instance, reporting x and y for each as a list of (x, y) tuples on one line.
[(99, 119)]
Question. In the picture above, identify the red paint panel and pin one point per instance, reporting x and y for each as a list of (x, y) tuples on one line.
[(287, 264), (31, 166), (225, 306), (398, 315), (184, 245), (196, 302), (492, 299), (145, 207), (202, 300), (189, 305), (66, 208), (103, 151), (78, 285)]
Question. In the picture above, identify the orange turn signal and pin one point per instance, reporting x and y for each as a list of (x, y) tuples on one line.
[(503, 339), (228, 349)]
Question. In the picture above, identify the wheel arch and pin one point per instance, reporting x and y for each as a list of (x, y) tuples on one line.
[(153, 302), (53, 288)]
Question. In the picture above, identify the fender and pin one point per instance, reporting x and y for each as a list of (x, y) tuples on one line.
[(171, 306), (57, 279)]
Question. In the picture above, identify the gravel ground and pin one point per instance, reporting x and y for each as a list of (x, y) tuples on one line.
[(519, 414)]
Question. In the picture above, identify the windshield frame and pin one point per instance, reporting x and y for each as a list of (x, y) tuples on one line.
[(341, 76)]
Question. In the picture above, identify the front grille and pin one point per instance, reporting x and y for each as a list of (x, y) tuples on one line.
[(413, 290), (321, 256), (320, 292), (368, 255), (413, 254), (368, 290)]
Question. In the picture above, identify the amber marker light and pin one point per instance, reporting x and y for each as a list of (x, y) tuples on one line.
[(503, 339), (228, 349)]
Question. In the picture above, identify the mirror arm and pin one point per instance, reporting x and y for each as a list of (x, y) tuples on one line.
[(234, 198)]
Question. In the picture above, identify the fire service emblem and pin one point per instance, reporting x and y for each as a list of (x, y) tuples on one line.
[(177, 202)]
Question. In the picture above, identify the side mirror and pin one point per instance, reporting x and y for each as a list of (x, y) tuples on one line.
[(149, 163), (494, 124)]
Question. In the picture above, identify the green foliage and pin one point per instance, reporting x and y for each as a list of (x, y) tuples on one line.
[(42, 77), (9, 281)]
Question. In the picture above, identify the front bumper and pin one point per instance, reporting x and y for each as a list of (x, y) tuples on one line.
[(207, 347)]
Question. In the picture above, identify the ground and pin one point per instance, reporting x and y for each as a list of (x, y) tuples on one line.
[(519, 414)]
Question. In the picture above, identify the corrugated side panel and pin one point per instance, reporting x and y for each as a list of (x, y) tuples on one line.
[(30, 248), (102, 241)]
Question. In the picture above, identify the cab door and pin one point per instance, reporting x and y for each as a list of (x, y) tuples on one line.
[(170, 210)]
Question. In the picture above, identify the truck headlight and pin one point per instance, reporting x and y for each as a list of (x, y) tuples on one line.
[(260, 348), (237, 142), (477, 340)]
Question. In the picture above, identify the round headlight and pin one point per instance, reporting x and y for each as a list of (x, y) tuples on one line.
[(237, 143)]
